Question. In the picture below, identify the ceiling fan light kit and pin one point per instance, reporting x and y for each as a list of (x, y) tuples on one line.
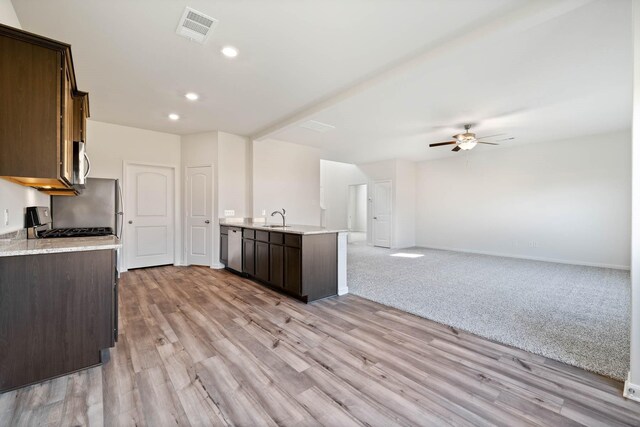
[(467, 140)]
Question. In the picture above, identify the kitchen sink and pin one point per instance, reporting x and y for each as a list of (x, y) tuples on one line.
[(275, 226)]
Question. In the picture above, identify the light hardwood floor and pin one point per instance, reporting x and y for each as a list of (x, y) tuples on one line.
[(205, 347)]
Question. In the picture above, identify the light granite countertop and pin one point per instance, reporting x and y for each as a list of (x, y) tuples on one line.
[(14, 247), (290, 228)]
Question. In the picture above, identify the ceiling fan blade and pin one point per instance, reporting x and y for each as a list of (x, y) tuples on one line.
[(488, 143), (506, 139), (456, 148), (491, 136), (437, 144)]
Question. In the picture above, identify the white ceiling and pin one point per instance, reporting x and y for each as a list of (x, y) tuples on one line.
[(391, 76), (292, 53), (563, 78)]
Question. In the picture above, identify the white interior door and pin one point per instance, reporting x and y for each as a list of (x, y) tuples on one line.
[(199, 215), (149, 212), (382, 213)]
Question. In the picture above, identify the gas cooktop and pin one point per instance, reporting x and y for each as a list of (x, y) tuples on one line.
[(76, 232)]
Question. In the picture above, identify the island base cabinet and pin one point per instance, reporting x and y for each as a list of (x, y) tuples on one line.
[(304, 266), (262, 261), (293, 270), (56, 314)]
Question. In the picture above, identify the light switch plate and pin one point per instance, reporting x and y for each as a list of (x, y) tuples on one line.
[(264, 212), (6, 217), (229, 212)]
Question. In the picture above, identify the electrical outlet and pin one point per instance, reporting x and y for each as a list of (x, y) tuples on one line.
[(6, 217), (229, 212), (533, 244)]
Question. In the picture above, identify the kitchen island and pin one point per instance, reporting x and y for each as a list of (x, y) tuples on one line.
[(306, 262), (58, 306)]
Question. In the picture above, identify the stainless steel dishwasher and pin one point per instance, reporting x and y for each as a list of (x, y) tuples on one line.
[(235, 249)]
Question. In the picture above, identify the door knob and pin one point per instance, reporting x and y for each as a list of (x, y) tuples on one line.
[(130, 222), (206, 221)]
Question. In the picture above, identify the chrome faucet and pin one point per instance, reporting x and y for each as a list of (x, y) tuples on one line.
[(283, 214)]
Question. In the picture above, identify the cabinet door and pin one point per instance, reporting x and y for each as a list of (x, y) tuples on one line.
[(276, 261), (293, 269), (248, 257), (262, 261), (224, 249), (66, 143)]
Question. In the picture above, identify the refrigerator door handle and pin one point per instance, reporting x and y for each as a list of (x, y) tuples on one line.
[(120, 212)]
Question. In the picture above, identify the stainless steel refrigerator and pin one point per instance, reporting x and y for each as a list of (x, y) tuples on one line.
[(99, 205)]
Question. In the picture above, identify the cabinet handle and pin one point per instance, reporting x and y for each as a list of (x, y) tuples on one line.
[(130, 222), (206, 221)]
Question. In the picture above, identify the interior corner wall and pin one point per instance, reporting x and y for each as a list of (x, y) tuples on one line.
[(336, 177), (14, 197), (202, 150), (286, 175), (110, 145), (562, 201)]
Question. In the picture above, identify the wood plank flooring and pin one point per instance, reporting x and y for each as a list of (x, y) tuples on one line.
[(205, 347)]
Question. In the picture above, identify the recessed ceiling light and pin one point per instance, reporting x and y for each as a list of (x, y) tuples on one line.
[(191, 96), (174, 116), (229, 51)]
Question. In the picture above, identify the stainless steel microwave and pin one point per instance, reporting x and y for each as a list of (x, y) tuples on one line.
[(81, 164)]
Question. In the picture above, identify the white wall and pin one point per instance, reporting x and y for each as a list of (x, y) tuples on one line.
[(15, 197), (357, 207), (286, 176), (405, 204), (232, 175), (109, 146), (634, 372), (565, 201), (335, 179)]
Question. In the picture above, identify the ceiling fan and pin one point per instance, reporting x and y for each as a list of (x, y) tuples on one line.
[(468, 140)]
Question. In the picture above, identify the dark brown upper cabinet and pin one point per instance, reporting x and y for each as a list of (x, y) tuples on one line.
[(41, 111)]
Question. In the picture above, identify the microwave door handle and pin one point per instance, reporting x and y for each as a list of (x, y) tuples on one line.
[(88, 165)]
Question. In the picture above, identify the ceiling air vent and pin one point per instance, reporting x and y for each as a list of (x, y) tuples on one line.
[(195, 25), (316, 126)]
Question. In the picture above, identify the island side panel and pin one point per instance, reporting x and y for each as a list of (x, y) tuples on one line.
[(319, 265), (55, 314)]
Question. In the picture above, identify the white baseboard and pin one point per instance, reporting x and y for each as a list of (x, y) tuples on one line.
[(217, 266), (532, 258), (631, 391)]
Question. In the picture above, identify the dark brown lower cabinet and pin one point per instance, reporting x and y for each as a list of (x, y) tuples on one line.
[(248, 256), (276, 263), (293, 270), (262, 261), (57, 314)]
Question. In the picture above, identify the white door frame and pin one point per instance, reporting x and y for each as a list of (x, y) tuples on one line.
[(177, 231), (214, 263), (371, 212)]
